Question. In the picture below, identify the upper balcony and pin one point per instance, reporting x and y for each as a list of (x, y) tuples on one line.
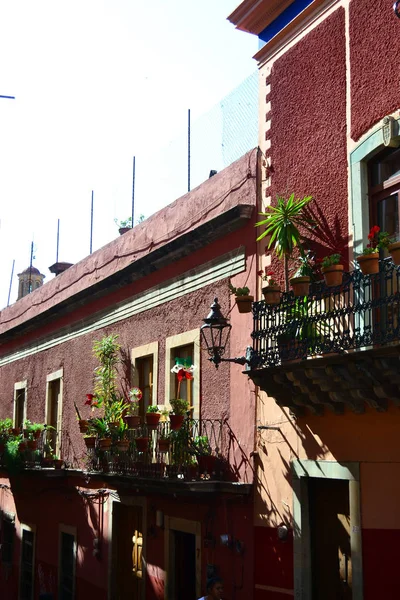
[(336, 347)]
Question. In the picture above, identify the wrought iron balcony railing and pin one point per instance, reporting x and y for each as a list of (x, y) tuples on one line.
[(361, 313)]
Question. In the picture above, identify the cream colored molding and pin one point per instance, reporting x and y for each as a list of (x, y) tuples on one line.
[(175, 341), (53, 377), (141, 352), (20, 385), (223, 267)]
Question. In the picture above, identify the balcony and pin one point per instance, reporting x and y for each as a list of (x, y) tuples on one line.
[(193, 458), (337, 347)]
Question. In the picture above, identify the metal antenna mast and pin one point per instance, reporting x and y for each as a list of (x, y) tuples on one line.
[(133, 190)]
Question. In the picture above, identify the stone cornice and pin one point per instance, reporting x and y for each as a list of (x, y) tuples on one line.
[(255, 15)]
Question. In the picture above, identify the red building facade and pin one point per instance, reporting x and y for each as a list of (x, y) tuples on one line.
[(149, 526)]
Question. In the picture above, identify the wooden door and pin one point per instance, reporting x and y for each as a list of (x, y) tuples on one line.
[(330, 539), (127, 547)]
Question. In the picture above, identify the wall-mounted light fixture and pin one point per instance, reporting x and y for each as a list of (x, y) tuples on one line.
[(396, 8), (215, 333)]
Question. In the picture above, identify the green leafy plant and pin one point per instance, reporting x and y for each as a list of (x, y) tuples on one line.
[(179, 406), (114, 410), (378, 240), (329, 261), (12, 456), (100, 426), (107, 351), (153, 408), (124, 223), (282, 223), (201, 446), (238, 291), (305, 266)]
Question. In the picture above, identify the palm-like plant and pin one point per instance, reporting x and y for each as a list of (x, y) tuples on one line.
[(282, 223)]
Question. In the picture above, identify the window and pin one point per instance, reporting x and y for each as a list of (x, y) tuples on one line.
[(144, 373), (53, 415), (183, 345), (19, 403), (7, 539), (384, 188), (27, 563), (66, 563)]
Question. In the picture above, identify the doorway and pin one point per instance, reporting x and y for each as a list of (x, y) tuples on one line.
[(127, 552), (182, 559), (331, 565)]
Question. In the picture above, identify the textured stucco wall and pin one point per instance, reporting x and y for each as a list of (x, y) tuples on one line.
[(375, 73), (308, 127)]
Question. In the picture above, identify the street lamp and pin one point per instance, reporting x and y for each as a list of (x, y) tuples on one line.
[(215, 333), (396, 8)]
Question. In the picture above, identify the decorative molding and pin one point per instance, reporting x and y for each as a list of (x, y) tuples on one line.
[(223, 267), (254, 16)]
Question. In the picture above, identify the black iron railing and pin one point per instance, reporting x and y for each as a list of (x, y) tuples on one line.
[(197, 451), (362, 312)]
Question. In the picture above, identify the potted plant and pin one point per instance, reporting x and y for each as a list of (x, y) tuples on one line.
[(242, 297), (12, 455), (301, 281), (100, 425), (132, 418), (203, 452), (57, 461), (123, 226), (113, 412), (163, 443), (281, 224), (142, 443), (177, 415), (271, 289), (369, 259), (332, 270), (153, 416)]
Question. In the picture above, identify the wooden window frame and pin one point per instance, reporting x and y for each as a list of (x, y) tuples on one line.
[(70, 531), (20, 385), (49, 379)]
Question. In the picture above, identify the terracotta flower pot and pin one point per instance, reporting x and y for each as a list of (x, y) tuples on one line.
[(394, 250), (207, 463), (37, 434), (123, 446), (369, 263), (105, 443), (300, 285), (58, 463), (32, 444), (244, 303), (47, 463), (272, 294), (123, 230), (132, 421), (90, 441), (152, 420), (176, 421), (163, 445), (142, 443), (333, 275), (22, 446), (83, 425), (15, 431)]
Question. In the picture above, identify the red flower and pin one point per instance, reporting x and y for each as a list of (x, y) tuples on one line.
[(260, 273), (371, 236), (89, 399), (376, 229), (270, 274)]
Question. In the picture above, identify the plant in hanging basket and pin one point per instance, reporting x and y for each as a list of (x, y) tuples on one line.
[(242, 297), (332, 270), (153, 415), (271, 288)]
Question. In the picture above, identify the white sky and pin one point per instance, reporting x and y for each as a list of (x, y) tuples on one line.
[(96, 82)]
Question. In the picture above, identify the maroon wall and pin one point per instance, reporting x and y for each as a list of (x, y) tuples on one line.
[(380, 563), (375, 73), (308, 127)]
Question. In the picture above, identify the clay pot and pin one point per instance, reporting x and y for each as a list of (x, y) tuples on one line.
[(122, 446), (152, 420), (207, 463), (300, 285), (47, 463), (369, 263), (123, 230), (176, 421), (83, 425), (132, 421), (163, 445), (90, 441), (58, 463), (244, 303), (37, 434), (105, 443), (22, 447), (394, 250), (272, 294), (32, 444), (142, 443), (333, 275)]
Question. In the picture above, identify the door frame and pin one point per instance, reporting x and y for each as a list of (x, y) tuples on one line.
[(186, 526), (127, 501), (302, 470)]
